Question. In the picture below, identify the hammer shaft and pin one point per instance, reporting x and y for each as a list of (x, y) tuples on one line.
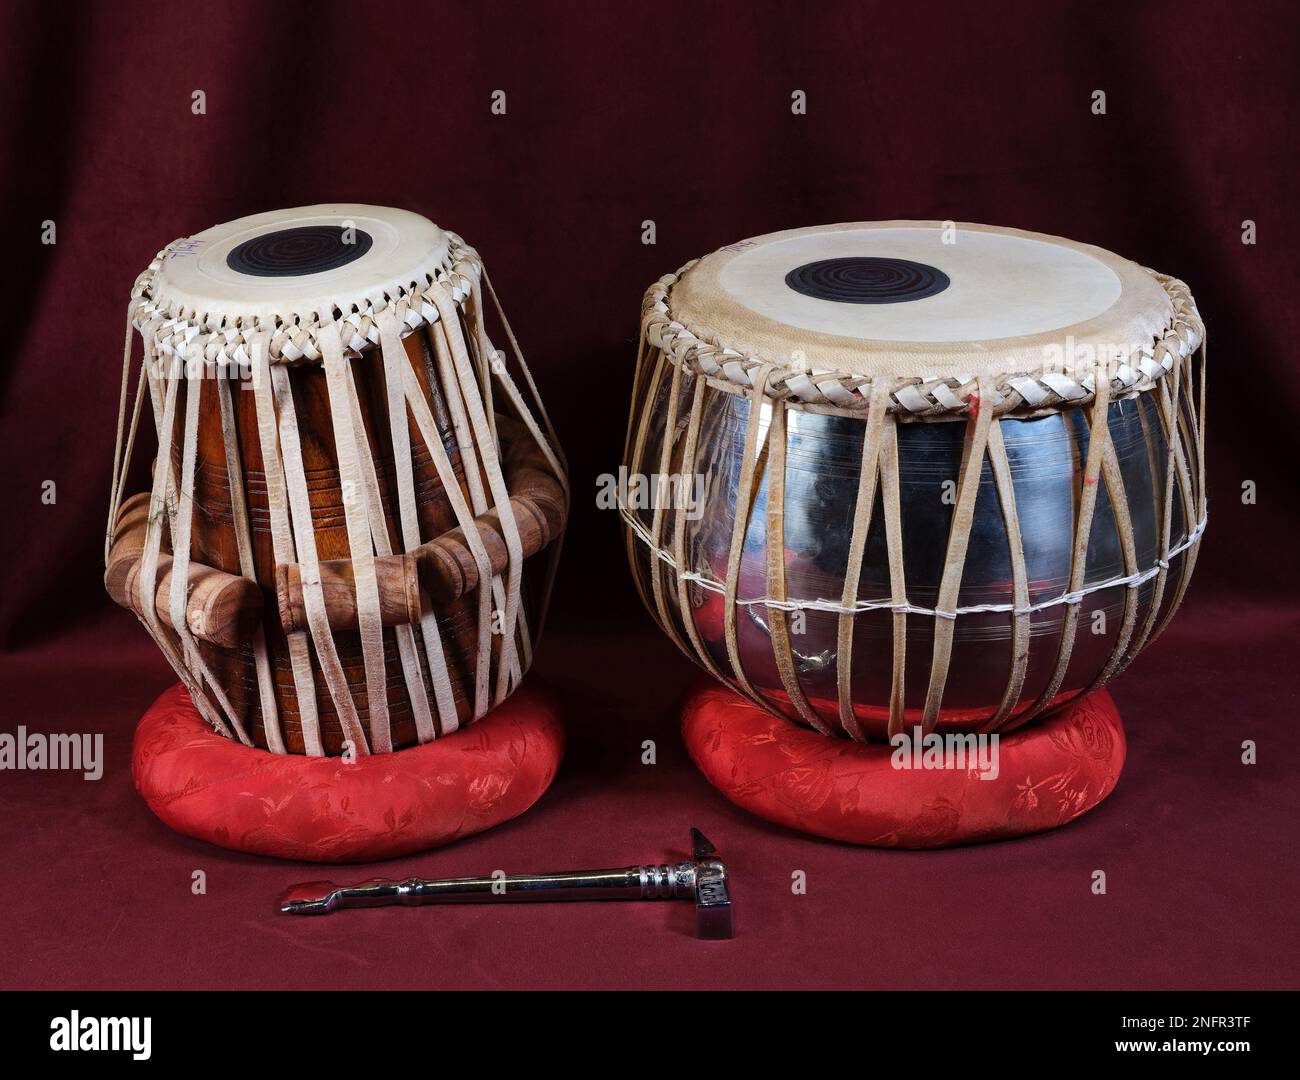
[(704, 880), (654, 882)]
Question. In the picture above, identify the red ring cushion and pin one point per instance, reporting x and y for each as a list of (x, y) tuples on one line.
[(323, 810), (1049, 773)]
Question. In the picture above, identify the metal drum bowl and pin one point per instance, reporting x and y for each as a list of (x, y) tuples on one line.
[(823, 452)]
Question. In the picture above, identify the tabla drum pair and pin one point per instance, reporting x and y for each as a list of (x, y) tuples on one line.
[(914, 480), (348, 542)]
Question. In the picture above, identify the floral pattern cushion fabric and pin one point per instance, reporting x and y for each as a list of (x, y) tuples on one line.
[(326, 810), (1048, 774)]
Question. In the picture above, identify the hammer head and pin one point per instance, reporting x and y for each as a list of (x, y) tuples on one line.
[(712, 899)]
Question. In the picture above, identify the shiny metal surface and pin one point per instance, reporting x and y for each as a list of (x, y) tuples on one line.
[(823, 452), (703, 879)]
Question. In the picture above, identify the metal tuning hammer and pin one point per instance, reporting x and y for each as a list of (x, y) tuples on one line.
[(703, 879)]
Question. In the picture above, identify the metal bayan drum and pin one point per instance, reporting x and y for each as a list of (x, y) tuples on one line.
[(903, 473), (348, 483)]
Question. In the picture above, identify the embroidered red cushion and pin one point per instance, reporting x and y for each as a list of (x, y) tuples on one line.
[(1048, 773), (323, 810)]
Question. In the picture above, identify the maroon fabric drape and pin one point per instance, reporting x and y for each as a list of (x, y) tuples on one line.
[(678, 114)]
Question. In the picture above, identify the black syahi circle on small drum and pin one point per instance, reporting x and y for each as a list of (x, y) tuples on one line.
[(298, 252), (867, 280)]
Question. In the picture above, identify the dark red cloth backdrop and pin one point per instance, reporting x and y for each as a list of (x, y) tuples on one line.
[(680, 114)]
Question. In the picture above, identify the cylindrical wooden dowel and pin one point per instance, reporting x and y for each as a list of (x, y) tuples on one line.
[(399, 593), (221, 608), (447, 566), (128, 543)]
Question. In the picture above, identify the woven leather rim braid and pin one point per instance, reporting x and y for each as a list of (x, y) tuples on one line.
[(450, 303), (1021, 394), (216, 336), (667, 349)]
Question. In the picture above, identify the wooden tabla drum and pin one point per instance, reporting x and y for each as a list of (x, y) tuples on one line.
[(915, 476), (355, 510)]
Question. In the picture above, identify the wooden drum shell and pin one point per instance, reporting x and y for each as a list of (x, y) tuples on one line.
[(214, 542)]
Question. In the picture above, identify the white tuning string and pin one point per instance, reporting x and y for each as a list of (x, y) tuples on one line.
[(1132, 581)]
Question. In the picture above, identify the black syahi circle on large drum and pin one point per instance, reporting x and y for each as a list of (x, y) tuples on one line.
[(867, 280)]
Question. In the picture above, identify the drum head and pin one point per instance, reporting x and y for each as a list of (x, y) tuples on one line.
[(916, 299), (297, 264)]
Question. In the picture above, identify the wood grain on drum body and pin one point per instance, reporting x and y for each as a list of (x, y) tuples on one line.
[(214, 540)]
